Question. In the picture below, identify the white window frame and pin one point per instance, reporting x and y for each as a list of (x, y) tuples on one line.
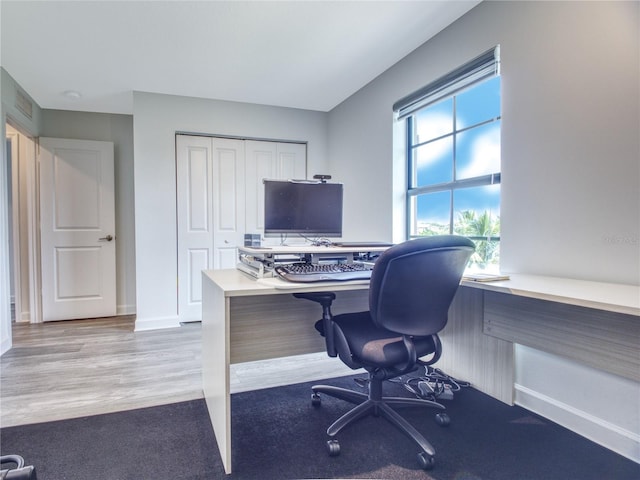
[(480, 69)]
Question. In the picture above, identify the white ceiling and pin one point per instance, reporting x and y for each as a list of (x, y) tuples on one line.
[(301, 54)]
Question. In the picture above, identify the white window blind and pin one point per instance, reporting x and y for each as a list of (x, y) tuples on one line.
[(481, 67)]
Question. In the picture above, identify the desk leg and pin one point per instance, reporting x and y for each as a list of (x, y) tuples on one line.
[(215, 365)]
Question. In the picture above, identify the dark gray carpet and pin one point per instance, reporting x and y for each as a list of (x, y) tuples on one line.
[(277, 434)]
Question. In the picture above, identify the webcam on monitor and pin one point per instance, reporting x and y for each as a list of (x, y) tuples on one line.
[(322, 178)]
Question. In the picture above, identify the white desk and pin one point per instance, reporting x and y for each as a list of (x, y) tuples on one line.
[(594, 323), (244, 319), (611, 297)]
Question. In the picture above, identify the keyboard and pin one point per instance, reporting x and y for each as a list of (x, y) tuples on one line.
[(307, 272)]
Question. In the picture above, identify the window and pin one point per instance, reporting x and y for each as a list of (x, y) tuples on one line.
[(453, 153)]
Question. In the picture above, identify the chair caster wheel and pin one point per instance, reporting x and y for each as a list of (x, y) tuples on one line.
[(426, 462), (333, 447), (443, 419), (315, 400)]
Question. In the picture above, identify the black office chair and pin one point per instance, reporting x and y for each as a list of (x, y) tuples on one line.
[(411, 289)]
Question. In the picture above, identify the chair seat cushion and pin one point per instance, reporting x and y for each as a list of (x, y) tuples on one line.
[(376, 346)]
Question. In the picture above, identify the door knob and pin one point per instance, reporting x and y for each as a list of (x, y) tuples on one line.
[(108, 238)]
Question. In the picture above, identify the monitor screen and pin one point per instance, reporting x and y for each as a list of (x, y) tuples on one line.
[(302, 207)]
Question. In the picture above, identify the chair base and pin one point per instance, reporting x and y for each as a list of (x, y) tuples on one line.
[(375, 404)]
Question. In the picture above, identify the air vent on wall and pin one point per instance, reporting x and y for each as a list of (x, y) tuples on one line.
[(24, 104)]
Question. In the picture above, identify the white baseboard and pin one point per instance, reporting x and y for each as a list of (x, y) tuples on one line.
[(613, 437), (156, 323), (5, 345), (125, 310)]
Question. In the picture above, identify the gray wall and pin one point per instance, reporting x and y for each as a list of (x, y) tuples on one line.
[(570, 146), (9, 90), (570, 171), (119, 130)]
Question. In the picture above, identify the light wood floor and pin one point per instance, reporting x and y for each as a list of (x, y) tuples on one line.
[(69, 369)]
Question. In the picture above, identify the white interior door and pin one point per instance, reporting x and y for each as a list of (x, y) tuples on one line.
[(78, 251)]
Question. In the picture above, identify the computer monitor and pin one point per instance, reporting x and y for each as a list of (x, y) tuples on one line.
[(303, 207)]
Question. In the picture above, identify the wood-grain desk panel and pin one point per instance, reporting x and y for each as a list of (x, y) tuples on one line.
[(281, 325), (604, 340)]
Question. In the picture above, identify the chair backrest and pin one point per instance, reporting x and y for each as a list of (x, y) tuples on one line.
[(413, 283)]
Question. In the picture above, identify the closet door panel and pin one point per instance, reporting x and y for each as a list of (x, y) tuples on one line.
[(229, 203), (261, 163), (194, 188), (292, 161), (273, 161)]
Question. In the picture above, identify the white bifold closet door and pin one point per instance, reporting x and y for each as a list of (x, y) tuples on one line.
[(219, 199), (210, 199)]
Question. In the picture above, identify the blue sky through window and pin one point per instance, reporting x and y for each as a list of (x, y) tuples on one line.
[(476, 150)]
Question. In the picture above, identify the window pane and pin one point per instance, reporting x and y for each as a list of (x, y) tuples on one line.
[(478, 151), (434, 121), (480, 201), (477, 214), (432, 214), (478, 104), (434, 162)]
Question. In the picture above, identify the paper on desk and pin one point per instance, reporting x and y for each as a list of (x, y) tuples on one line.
[(484, 277)]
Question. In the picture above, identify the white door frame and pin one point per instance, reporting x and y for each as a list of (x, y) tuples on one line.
[(24, 155), (16, 250)]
